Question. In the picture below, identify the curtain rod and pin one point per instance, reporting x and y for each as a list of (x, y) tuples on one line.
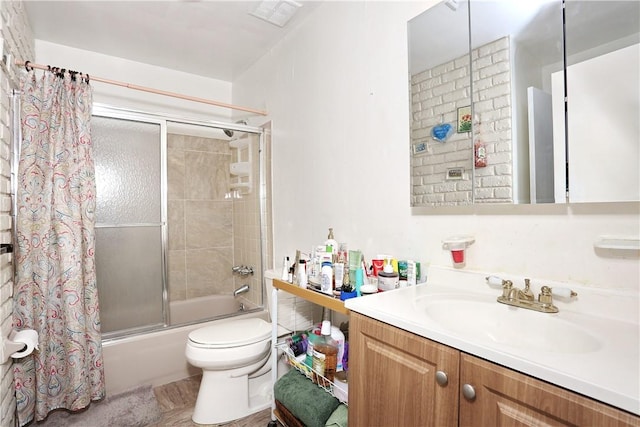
[(156, 91)]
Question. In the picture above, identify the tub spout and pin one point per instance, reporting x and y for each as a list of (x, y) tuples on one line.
[(241, 290)]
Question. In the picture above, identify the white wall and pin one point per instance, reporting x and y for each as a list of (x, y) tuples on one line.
[(137, 73), (336, 89)]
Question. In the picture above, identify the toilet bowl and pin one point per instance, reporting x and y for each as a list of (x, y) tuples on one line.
[(234, 358), (230, 355)]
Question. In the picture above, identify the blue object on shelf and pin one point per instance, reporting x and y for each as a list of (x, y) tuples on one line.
[(347, 295)]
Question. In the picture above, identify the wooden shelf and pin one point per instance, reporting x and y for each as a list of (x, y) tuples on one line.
[(315, 297)]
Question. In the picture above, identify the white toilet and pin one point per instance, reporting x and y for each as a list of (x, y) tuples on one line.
[(234, 358), (231, 354)]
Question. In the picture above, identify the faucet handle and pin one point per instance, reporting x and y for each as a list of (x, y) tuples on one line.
[(494, 281), (546, 294)]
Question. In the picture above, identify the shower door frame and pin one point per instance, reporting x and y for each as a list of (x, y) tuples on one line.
[(103, 110)]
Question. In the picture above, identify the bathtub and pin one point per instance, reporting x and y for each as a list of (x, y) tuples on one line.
[(157, 358), (194, 309)]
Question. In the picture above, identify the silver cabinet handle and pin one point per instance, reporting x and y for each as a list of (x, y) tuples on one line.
[(441, 378), (468, 392)]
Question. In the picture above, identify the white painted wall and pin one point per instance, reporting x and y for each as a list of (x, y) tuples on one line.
[(336, 89), (137, 73)]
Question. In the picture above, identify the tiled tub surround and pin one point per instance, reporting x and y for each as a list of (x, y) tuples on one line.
[(436, 94), (208, 233), (610, 373)]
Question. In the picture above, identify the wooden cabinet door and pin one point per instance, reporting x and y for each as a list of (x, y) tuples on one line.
[(507, 398), (392, 377)]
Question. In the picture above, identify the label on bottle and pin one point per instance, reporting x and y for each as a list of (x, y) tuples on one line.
[(318, 366), (325, 360)]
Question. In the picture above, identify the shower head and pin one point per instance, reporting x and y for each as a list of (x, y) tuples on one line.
[(229, 132)]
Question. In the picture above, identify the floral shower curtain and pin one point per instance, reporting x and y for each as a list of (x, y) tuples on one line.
[(55, 291)]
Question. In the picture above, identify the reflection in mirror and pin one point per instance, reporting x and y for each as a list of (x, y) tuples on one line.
[(441, 157), (603, 100), (515, 46)]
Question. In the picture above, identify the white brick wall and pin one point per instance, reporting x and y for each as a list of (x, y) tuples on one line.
[(436, 94), (16, 40)]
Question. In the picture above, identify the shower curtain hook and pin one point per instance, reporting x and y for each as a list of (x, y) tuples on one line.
[(27, 67)]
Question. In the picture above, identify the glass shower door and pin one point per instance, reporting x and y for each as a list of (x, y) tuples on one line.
[(130, 223)]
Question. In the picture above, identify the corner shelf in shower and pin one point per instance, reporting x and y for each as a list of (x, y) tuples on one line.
[(241, 169)]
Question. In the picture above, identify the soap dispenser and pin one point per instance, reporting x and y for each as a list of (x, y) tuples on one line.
[(331, 244)]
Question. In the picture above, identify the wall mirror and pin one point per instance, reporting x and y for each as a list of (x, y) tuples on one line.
[(487, 82)]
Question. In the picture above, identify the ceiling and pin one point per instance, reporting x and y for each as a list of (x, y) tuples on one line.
[(216, 39), (536, 24)]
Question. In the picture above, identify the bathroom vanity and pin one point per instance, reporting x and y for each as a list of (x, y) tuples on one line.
[(400, 378), (446, 353)]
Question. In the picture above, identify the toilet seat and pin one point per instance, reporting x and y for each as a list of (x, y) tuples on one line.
[(231, 334)]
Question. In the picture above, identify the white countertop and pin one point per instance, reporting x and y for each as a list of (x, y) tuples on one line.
[(610, 373)]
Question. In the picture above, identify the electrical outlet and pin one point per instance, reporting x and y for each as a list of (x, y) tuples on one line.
[(455, 173), (419, 148)]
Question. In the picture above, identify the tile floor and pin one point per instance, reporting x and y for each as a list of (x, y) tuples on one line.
[(177, 400)]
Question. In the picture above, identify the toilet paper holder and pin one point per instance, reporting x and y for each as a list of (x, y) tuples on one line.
[(9, 346)]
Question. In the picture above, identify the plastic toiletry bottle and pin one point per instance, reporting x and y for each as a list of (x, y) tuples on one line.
[(359, 282), (326, 273), (285, 269), (339, 274), (388, 278), (343, 257), (338, 336), (412, 278), (331, 245), (325, 356), (302, 274), (313, 335)]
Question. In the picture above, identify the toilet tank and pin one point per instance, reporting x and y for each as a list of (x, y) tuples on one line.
[(294, 314)]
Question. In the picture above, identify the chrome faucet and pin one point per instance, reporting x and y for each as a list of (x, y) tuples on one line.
[(524, 298), (241, 290), (242, 270)]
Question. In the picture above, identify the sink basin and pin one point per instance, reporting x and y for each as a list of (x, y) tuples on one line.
[(482, 320)]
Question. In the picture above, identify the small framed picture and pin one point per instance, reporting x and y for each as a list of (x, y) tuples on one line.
[(464, 119)]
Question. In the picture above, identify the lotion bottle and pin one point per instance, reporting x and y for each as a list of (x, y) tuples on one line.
[(331, 245)]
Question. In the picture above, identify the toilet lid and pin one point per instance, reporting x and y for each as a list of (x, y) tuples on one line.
[(232, 334)]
